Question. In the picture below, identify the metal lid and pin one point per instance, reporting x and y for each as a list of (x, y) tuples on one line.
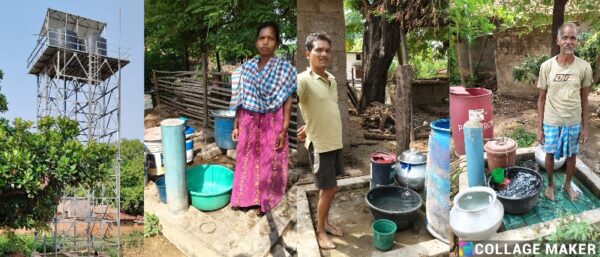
[(383, 158), (224, 113), (501, 145), (412, 156), (458, 90), (152, 134)]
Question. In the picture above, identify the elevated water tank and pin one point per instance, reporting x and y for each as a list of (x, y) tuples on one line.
[(63, 38), (96, 44)]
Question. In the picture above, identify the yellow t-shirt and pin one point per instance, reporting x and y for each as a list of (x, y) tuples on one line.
[(318, 102), (563, 85)]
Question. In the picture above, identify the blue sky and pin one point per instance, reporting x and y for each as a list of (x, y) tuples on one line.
[(21, 20)]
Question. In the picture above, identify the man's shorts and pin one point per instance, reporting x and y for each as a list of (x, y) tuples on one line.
[(326, 166), (561, 140)]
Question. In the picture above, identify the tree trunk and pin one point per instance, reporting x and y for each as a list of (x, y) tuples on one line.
[(186, 57), (470, 57), (381, 39), (558, 17), (458, 63), (597, 72), (218, 62)]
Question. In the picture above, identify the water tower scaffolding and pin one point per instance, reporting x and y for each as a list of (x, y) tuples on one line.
[(79, 78)]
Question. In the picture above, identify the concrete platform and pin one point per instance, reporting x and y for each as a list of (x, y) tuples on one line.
[(223, 232), (308, 246)]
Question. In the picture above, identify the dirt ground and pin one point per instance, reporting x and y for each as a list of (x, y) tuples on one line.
[(356, 223), (156, 246), (510, 113)]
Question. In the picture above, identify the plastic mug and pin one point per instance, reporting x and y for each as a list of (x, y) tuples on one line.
[(498, 175)]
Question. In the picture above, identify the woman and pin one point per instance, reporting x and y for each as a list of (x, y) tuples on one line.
[(261, 98)]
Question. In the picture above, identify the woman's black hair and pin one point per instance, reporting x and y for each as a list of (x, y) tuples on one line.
[(267, 25)]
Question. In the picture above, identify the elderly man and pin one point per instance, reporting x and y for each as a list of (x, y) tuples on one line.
[(563, 114)]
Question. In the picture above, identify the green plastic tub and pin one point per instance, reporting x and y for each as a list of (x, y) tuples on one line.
[(383, 234), (209, 186)]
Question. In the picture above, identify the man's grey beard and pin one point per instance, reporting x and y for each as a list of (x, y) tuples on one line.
[(568, 50)]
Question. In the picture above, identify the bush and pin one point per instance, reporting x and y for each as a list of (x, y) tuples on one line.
[(151, 225), (530, 69), (523, 137), (132, 177), (37, 167), (11, 244)]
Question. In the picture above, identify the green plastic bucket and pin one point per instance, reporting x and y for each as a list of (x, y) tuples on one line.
[(209, 186), (383, 234)]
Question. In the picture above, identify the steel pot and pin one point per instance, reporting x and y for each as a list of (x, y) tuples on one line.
[(477, 214), (410, 169), (540, 158)]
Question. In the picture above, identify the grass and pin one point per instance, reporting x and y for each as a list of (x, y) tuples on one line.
[(455, 171), (523, 137), (13, 244)]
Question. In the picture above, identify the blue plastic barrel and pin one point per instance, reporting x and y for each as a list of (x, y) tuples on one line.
[(382, 171), (437, 180), (189, 144), (162, 192), (223, 128), (474, 150)]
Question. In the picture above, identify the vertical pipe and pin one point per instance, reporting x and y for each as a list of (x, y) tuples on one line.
[(174, 158), (473, 131)]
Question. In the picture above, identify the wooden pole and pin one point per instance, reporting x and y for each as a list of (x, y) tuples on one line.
[(205, 86), (155, 82), (404, 77)]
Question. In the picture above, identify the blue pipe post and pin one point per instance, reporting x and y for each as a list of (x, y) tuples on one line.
[(174, 158), (474, 150)]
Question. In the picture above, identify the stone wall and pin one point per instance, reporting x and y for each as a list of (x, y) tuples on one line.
[(429, 91), (482, 53), (511, 49)]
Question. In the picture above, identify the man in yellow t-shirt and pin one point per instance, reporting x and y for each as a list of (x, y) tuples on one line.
[(318, 102), (563, 112)]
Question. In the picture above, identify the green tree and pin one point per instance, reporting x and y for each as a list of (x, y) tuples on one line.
[(36, 165), (177, 32), (132, 177), (383, 22), (471, 19), (353, 27)]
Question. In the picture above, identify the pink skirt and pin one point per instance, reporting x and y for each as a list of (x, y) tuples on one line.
[(260, 171)]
